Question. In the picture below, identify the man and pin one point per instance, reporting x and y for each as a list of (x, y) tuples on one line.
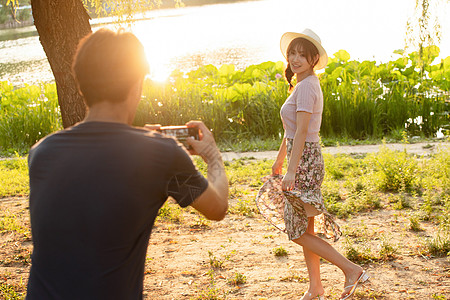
[(96, 188)]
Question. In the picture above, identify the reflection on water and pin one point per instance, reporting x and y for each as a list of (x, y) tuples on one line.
[(30, 72), (241, 33), (23, 61), (173, 39), (240, 57)]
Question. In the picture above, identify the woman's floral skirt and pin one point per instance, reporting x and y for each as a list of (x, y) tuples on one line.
[(286, 209)]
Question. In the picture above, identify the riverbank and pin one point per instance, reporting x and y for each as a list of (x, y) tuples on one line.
[(14, 24)]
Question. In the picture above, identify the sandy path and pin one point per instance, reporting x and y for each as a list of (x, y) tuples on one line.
[(417, 148)]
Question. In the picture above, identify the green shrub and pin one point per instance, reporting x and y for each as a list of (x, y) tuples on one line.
[(237, 279), (279, 251), (398, 169), (387, 250), (171, 212), (358, 254), (439, 245), (414, 223), (244, 207)]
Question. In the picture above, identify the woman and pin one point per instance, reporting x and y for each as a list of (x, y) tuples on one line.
[(293, 202)]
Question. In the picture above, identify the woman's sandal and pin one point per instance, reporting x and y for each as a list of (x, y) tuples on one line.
[(361, 279), (318, 297)]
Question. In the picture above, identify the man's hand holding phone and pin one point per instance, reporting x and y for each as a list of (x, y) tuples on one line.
[(180, 132), (214, 201), (205, 146), (198, 140)]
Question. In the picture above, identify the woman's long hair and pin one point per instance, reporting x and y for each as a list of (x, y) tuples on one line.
[(310, 52)]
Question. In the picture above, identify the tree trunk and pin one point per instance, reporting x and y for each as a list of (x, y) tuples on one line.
[(60, 25)]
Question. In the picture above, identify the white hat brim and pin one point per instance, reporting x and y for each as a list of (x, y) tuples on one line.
[(288, 37)]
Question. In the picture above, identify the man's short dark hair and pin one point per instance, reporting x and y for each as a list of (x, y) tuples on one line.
[(107, 64)]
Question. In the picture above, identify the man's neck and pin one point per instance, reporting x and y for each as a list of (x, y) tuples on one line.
[(108, 112)]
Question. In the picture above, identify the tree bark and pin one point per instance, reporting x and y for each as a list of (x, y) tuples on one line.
[(60, 25)]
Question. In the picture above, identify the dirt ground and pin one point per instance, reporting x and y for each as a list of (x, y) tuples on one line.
[(195, 259), (180, 262), (198, 259)]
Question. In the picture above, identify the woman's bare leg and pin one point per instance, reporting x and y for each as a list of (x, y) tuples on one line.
[(313, 265), (321, 248)]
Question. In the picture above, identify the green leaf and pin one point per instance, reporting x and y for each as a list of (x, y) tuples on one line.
[(226, 70), (400, 63), (342, 55), (408, 71), (337, 72), (399, 51), (446, 62)]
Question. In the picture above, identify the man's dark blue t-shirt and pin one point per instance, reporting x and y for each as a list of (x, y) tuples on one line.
[(95, 191)]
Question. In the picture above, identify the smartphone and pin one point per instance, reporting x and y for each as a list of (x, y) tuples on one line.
[(181, 133)]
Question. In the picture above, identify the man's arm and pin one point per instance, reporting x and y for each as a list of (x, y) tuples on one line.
[(213, 202)]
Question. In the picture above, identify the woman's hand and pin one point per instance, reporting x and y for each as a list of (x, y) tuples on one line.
[(288, 182), (277, 167)]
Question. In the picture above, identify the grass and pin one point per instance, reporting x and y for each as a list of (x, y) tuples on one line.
[(295, 277), (216, 263), (363, 252), (353, 187), (201, 222), (439, 297), (244, 207), (27, 114), (248, 145), (10, 292), (279, 251), (170, 212), (211, 293), (387, 250), (439, 245), (359, 254), (13, 223), (397, 171), (237, 279), (13, 177), (414, 223)]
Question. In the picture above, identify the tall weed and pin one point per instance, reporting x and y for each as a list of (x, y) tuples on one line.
[(361, 100), (26, 115)]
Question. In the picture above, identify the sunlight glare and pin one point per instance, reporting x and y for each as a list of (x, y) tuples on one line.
[(156, 50), (159, 71)]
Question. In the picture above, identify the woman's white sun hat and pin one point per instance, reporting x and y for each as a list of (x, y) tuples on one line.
[(309, 35)]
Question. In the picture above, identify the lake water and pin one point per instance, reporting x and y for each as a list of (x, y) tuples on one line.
[(241, 33)]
